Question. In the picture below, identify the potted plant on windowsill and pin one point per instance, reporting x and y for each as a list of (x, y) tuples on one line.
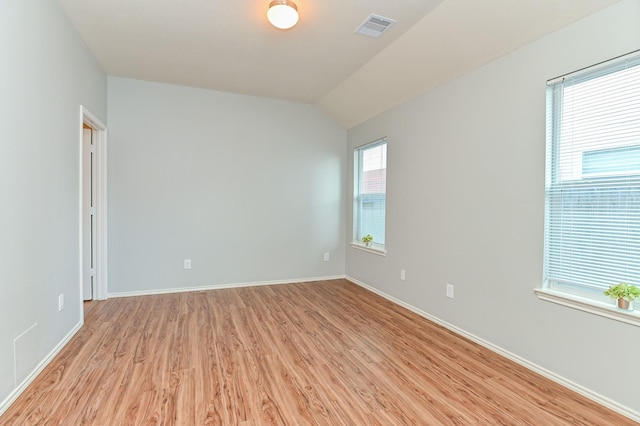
[(625, 293), (367, 240)]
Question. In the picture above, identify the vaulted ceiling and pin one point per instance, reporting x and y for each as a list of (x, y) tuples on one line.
[(229, 45)]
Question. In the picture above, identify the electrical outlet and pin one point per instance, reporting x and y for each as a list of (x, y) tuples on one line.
[(326, 257), (60, 302), (187, 264), (450, 291), (403, 275)]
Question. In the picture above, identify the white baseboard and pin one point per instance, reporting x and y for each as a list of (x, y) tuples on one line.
[(220, 286), (4, 405), (594, 396)]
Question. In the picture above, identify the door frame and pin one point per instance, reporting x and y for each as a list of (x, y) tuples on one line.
[(99, 137), (88, 225)]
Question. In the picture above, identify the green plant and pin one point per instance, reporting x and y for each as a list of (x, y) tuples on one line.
[(623, 291), (367, 238)]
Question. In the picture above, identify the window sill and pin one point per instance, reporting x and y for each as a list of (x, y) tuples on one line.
[(588, 305), (375, 248)]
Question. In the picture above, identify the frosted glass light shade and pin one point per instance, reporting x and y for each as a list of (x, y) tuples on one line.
[(282, 14)]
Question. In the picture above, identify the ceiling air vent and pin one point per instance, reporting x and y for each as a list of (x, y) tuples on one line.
[(375, 25)]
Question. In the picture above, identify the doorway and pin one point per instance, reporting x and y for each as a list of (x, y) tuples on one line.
[(88, 213), (93, 207)]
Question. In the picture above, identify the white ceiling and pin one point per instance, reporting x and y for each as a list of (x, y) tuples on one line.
[(229, 46)]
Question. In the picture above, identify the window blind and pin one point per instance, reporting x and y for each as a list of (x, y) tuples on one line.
[(592, 188)]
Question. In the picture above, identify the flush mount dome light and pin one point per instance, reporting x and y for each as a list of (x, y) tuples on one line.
[(283, 14)]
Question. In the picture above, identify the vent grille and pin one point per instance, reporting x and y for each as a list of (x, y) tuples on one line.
[(375, 25)]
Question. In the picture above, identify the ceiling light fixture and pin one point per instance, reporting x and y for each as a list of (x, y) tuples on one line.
[(283, 14)]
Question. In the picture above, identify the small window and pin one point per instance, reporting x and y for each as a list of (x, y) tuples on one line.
[(370, 192), (592, 190)]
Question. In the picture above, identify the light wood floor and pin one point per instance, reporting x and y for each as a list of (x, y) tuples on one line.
[(328, 353)]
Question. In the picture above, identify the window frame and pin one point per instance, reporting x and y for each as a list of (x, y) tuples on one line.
[(567, 295), (375, 247)]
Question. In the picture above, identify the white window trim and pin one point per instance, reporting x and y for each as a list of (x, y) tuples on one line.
[(607, 310), (373, 248), (574, 298)]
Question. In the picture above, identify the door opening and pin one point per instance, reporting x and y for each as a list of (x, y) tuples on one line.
[(88, 213), (93, 208)]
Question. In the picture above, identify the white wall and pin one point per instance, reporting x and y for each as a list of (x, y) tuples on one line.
[(465, 195), (250, 189), (46, 73)]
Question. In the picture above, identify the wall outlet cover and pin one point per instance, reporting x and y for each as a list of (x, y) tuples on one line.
[(450, 291)]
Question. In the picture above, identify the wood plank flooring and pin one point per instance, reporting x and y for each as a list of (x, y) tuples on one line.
[(326, 353)]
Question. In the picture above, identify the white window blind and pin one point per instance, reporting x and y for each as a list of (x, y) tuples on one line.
[(592, 205), (370, 191)]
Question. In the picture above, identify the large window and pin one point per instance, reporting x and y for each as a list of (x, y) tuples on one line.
[(592, 204), (370, 192)]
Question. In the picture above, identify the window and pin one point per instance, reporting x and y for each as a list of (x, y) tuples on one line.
[(370, 192), (592, 188)]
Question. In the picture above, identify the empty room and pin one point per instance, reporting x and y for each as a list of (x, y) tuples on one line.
[(421, 212)]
